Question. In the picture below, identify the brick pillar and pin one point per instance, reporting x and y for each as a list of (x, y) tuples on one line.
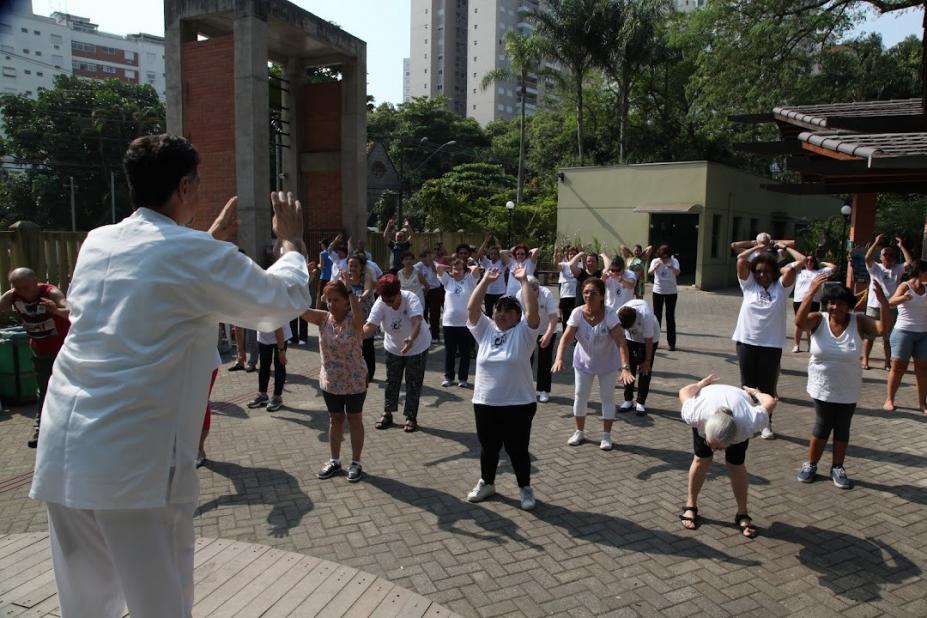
[(320, 160), (354, 146)]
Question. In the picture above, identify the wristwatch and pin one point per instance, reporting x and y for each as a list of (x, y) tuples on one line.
[(626, 367)]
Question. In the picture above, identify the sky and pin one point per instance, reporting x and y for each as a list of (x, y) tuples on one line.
[(383, 24)]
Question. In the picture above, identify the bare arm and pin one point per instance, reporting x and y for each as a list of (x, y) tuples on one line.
[(530, 297), (787, 274), (872, 250), (874, 328), (742, 245), (901, 295), (388, 229), (410, 233), (798, 257), (908, 258), (607, 261), (568, 335), (483, 247), (575, 268), (533, 254), (617, 334), (416, 321), (56, 304), (743, 264), (6, 301), (475, 304), (314, 316), (692, 390)]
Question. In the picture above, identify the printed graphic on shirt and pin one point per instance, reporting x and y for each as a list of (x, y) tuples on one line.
[(33, 324), (500, 339)]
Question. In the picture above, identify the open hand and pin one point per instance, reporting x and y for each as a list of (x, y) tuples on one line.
[(226, 224), (492, 274), (557, 366), (520, 274), (288, 216)]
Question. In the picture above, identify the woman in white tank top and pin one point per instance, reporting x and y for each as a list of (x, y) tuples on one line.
[(909, 338), (834, 373)]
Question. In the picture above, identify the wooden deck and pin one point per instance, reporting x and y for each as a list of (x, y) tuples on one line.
[(231, 579)]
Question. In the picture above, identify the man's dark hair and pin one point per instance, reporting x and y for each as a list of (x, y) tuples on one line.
[(154, 166), (627, 316)]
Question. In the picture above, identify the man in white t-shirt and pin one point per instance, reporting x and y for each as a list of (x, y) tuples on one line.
[(642, 332), (724, 418), (549, 312), (887, 272)]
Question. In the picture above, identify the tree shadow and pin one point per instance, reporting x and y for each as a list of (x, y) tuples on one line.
[(911, 493), (470, 441), (728, 357), (847, 565), (443, 395), (254, 486), (676, 461), (904, 459), (451, 510), (317, 421), (620, 533)]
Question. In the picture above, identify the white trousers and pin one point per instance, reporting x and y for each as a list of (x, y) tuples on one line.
[(108, 559), (583, 382)]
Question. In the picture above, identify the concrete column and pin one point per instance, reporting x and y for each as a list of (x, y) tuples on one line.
[(294, 73), (252, 136), (862, 227), (176, 33), (354, 145)]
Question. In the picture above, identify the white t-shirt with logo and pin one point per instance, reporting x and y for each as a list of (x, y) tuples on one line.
[(547, 306), (761, 320), (749, 417), (890, 278), (456, 296), (567, 281), (396, 324), (513, 285), (646, 324), (430, 273), (496, 287), (664, 279), (803, 282), (617, 293), (503, 363), (595, 350), (271, 339)]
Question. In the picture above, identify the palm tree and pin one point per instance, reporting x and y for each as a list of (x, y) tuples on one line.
[(572, 32), (524, 54)]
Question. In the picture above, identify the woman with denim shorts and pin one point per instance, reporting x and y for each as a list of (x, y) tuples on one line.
[(910, 336)]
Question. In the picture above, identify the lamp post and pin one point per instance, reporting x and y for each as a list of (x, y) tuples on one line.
[(510, 206), (846, 210)]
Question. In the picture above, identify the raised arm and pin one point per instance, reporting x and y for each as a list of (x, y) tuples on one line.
[(388, 229), (533, 254), (804, 318), (56, 304), (872, 250), (575, 268), (407, 228), (908, 258), (787, 274), (483, 247), (798, 257), (529, 296), (647, 253), (626, 253), (692, 390), (743, 264), (742, 245), (869, 327), (475, 304), (606, 264)]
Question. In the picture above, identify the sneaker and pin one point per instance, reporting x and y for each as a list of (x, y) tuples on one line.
[(796, 349), (33, 442), (577, 438), (447, 383), (355, 472), (481, 491), (250, 369), (543, 396), (839, 476), (330, 469), (639, 409), (463, 384), (275, 404), (237, 367), (768, 434), (201, 459), (259, 401), (807, 472), (302, 342), (627, 405), (606, 443), (527, 498)]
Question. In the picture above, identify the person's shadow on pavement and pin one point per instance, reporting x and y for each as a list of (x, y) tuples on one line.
[(255, 486)]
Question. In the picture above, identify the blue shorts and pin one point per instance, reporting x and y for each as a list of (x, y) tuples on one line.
[(906, 344)]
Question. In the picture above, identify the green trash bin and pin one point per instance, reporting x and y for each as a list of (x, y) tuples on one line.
[(18, 384)]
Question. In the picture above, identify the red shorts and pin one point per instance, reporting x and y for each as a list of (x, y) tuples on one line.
[(207, 418)]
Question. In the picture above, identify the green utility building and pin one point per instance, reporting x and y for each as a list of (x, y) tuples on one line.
[(697, 207)]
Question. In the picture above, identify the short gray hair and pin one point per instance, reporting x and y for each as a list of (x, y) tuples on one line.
[(533, 282), (763, 238), (721, 428)]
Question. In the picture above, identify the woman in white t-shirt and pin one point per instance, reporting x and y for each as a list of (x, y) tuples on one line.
[(411, 279), (569, 266), (760, 330), (724, 418), (909, 337), (808, 269), (489, 256), (834, 374), (398, 313), (601, 352), (458, 286), (619, 282), (665, 269), (518, 257), (503, 395), (271, 349)]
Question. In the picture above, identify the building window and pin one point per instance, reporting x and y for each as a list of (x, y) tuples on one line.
[(9, 71), (130, 56), (474, 43), (130, 74), (108, 50), (151, 76), (754, 227), (38, 53), (108, 69), (715, 235), (56, 38), (25, 51), (87, 47), (56, 46), (40, 74), (36, 32), (476, 26), (27, 71), (474, 75), (26, 30)]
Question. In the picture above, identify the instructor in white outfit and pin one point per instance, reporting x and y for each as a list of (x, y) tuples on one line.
[(124, 410)]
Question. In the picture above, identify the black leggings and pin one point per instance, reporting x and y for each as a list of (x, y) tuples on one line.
[(759, 367), (457, 340), (545, 362), (268, 353), (508, 426), (638, 354), (370, 357), (567, 305), (670, 300), (834, 417)]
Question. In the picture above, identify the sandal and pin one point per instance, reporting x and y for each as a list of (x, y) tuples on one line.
[(385, 421), (745, 522), (411, 426), (685, 520)]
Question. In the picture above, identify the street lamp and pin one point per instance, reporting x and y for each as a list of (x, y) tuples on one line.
[(846, 210), (510, 206)]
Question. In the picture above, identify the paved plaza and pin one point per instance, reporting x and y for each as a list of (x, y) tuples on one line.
[(605, 537)]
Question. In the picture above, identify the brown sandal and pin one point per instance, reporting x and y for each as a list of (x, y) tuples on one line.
[(411, 426), (385, 421), (745, 523)]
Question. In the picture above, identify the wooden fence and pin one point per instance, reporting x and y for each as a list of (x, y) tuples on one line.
[(51, 255)]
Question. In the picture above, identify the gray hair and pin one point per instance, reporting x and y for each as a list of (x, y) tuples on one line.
[(720, 428), (533, 282), (763, 238)]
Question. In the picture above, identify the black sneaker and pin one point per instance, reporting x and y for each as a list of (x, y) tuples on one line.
[(258, 402), (237, 367), (330, 469), (275, 404), (33, 442), (355, 472)]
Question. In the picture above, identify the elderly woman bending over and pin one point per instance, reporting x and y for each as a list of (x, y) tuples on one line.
[(722, 418)]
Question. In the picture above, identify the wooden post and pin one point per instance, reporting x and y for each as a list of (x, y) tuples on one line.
[(29, 250)]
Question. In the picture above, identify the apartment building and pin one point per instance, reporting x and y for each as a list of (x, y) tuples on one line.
[(34, 49), (688, 5), (437, 51)]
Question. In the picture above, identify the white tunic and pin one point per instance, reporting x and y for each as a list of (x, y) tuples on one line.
[(834, 372), (124, 410)]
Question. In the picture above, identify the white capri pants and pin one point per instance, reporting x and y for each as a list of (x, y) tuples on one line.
[(584, 388), (106, 559)]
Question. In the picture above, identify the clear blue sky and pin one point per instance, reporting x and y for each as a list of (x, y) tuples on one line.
[(383, 24)]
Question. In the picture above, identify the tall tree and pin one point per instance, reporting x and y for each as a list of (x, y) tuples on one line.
[(524, 54), (572, 31)]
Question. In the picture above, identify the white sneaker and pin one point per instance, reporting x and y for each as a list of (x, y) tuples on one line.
[(627, 405), (543, 396), (606, 443), (527, 498), (768, 434), (463, 385), (302, 342), (639, 409), (577, 438), (482, 491), (796, 349), (446, 383)]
